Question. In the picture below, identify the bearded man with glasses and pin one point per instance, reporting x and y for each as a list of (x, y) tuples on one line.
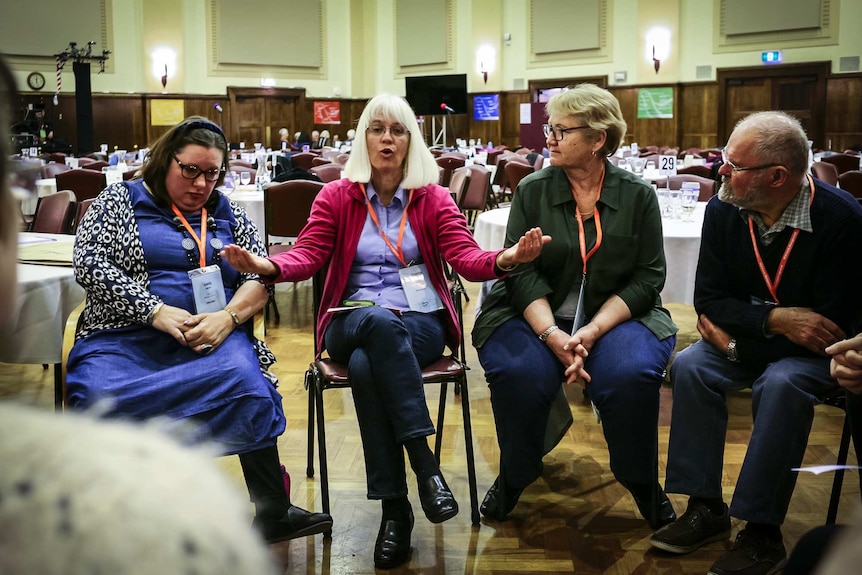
[(773, 291)]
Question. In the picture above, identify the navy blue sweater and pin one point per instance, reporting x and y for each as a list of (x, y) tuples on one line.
[(824, 273)]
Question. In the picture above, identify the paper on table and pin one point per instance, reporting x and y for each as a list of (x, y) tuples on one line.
[(31, 239), (49, 253), (818, 469)]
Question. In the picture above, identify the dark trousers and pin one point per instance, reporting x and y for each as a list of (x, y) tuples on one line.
[(385, 354), (627, 367), (782, 403)]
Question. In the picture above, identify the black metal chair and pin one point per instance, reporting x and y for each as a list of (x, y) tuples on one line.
[(324, 373)]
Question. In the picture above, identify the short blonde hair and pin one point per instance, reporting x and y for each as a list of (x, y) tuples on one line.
[(420, 168), (594, 107)]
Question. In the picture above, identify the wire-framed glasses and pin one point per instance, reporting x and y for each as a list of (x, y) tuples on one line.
[(736, 168), (395, 130)]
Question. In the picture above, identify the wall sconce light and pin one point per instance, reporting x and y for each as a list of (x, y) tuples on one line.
[(164, 64), (657, 46), (486, 57)]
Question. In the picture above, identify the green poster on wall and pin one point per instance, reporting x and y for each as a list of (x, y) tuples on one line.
[(655, 103)]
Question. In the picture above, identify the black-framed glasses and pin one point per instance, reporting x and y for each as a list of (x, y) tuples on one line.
[(191, 171), (736, 168), (559, 131), (395, 130)]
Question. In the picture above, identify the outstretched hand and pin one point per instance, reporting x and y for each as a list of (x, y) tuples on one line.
[(246, 262), (527, 249)]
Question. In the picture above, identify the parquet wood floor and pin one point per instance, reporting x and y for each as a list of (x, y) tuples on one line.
[(575, 519)]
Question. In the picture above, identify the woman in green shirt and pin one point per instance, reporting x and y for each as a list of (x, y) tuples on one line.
[(604, 272)]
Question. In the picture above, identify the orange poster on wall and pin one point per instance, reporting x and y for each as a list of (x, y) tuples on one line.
[(327, 112)]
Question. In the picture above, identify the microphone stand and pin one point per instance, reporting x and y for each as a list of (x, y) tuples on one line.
[(441, 136)]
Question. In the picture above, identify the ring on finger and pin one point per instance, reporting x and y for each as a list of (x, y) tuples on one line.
[(206, 348)]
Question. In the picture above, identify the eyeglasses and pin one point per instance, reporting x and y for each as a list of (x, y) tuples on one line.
[(395, 130), (559, 131), (736, 168), (191, 172)]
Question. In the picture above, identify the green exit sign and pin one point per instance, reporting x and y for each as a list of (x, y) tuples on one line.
[(771, 57)]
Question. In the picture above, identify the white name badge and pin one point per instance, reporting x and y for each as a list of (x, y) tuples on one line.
[(208, 289), (667, 165), (421, 295)]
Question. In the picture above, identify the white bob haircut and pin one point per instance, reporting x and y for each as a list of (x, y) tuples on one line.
[(420, 168)]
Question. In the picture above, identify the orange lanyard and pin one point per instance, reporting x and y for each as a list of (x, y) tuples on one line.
[(582, 239), (772, 285), (399, 253), (200, 241)]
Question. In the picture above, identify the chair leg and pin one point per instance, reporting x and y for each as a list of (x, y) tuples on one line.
[(58, 387), (468, 444), (309, 385), (441, 414), (838, 479), (321, 447)]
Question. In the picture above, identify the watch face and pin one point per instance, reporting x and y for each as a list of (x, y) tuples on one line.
[(36, 81)]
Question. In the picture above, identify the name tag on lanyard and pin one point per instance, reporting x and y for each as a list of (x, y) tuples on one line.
[(208, 288), (421, 295)]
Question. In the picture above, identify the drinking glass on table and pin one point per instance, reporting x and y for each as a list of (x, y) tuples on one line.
[(245, 178), (690, 195), (675, 204)]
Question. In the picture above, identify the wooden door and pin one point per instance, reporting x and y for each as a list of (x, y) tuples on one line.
[(798, 89), (258, 114)]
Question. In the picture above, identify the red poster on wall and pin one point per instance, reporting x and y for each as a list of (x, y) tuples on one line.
[(327, 112)]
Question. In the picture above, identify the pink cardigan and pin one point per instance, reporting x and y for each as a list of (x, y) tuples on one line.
[(332, 233)]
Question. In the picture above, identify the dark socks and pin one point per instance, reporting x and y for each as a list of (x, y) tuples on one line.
[(773, 532), (715, 504), (421, 458), (397, 509)]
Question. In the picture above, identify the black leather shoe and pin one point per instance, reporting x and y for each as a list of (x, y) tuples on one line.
[(393, 543), (438, 503), (297, 522), (653, 505), (499, 501)]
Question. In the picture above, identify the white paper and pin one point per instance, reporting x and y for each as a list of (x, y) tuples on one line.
[(526, 113), (818, 469)]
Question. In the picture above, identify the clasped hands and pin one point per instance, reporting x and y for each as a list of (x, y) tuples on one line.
[(572, 351), (201, 332)]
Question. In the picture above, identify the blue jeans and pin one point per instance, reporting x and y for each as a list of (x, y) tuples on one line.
[(385, 354), (627, 367), (782, 403)]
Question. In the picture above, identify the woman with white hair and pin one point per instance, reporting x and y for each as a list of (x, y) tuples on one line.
[(387, 220)]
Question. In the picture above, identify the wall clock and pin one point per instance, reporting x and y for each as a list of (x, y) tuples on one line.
[(36, 81)]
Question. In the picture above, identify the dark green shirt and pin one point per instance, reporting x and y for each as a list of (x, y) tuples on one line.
[(629, 263)]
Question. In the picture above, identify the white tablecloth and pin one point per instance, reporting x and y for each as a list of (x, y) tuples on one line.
[(681, 248), (252, 200), (44, 187), (46, 296)]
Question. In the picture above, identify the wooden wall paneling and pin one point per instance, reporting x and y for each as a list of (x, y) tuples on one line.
[(118, 120), (800, 89), (350, 112), (843, 112), (698, 116), (647, 131), (628, 99), (256, 114), (510, 116)]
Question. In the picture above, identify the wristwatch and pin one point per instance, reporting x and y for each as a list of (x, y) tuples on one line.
[(731, 351), (543, 337)]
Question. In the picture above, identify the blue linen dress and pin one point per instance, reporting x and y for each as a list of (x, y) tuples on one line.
[(145, 372)]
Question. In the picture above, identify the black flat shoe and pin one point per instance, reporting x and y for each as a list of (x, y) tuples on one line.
[(499, 501), (438, 503), (297, 522), (393, 543)]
